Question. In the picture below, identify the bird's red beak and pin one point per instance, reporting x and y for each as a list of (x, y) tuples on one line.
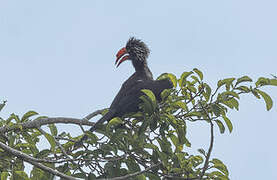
[(121, 56)]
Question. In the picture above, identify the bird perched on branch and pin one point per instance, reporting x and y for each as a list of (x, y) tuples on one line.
[(127, 100)]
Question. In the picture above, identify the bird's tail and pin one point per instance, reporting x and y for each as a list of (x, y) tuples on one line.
[(107, 117)]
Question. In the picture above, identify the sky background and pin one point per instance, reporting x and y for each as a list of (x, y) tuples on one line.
[(57, 58)]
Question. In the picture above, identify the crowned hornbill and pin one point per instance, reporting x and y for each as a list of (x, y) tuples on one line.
[(127, 100)]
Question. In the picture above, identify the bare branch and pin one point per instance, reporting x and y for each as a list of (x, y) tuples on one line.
[(95, 113), (44, 121), (206, 164), (32, 161)]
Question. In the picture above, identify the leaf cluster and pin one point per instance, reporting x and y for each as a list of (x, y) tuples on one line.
[(156, 135)]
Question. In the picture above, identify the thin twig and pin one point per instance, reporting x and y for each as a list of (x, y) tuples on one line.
[(214, 94)]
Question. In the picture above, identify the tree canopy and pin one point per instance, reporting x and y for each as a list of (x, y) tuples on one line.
[(150, 144)]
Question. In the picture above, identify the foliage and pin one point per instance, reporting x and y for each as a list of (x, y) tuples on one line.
[(155, 137)]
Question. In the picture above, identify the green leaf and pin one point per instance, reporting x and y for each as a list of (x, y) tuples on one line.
[(155, 155), (154, 122), (174, 139), (243, 88), (140, 177), (80, 175), (220, 166), (105, 111), (228, 123), (195, 79), (220, 83), (273, 82), (114, 122), (91, 176), (147, 105), (187, 143), (53, 129), (42, 154), (199, 73), (51, 141), (173, 79), (262, 81), (152, 176), (183, 78), (165, 145), (165, 93), (221, 126), (151, 146), (230, 93), (217, 174), (192, 88), (27, 115), (216, 109), (208, 91), (170, 76), (244, 79), (255, 93), (163, 156), (4, 175), (228, 82), (22, 175), (194, 113), (132, 165), (13, 116), (182, 105), (267, 99), (37, 173), (150, 94), (202, 151), (235, 103), (149, 100), (143, 127), (232, 103), (172, 120), (181, 134), (92, 138), (11, 141)]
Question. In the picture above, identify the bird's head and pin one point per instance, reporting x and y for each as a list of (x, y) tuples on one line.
[(135, 50)]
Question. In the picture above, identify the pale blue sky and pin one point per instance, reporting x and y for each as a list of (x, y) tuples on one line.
[(57, 57)]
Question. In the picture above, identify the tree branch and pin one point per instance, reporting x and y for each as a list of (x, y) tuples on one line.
[(44, 121), (95, 113), (32, 161), (206, 164)]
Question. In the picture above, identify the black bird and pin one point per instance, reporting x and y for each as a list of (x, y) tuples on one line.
[(127, 100)]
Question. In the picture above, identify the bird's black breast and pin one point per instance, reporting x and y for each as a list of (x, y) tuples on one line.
[(127, 100)]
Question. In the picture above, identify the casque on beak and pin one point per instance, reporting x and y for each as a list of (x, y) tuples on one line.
[(121, 56)]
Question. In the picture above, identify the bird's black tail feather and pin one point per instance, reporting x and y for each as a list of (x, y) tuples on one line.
[(107, 117)]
